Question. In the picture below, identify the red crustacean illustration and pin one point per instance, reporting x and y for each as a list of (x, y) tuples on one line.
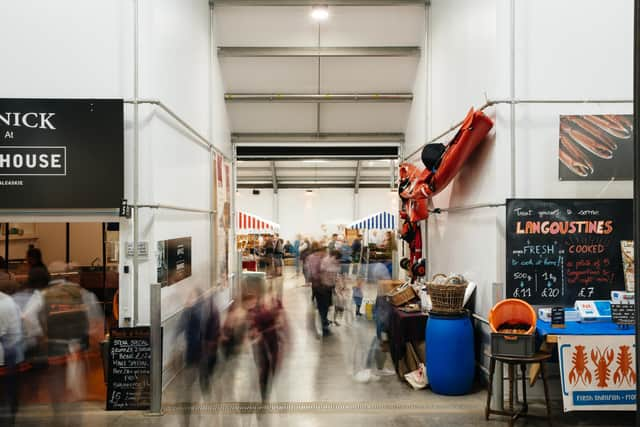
[(580, 372), (625, 372), (602, 360)]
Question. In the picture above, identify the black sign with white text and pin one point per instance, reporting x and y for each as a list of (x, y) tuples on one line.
[(174, 260), (563, 250), (61, 153), (129, 376)]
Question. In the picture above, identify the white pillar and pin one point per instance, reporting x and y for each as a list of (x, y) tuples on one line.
[(276, 207)]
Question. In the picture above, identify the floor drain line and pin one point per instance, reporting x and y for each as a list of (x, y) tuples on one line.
[(300, 407)]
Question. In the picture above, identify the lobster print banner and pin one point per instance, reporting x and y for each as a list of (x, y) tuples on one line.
[(596, 147), (597, 372)]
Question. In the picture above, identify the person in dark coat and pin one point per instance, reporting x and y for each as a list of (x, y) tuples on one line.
[(268, 333)]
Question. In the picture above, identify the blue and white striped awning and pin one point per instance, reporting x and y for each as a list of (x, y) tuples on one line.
[(378, 221)]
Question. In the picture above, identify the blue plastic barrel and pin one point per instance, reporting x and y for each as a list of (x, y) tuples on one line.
[(450, 353)]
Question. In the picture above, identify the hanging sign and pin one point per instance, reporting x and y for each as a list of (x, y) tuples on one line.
[(563, 250), (597, 372), (61, 154)]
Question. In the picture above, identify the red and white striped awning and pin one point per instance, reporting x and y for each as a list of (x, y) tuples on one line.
[(247, 223)]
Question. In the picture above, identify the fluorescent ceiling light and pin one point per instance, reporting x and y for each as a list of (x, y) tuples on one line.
[(314, 161), (320, 12)]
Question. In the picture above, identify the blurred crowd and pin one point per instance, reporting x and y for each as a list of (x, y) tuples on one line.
[(49, 325)]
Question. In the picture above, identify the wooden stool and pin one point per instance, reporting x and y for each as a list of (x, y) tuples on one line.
[(512, 363)]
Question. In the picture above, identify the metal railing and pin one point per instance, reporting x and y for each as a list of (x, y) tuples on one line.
[(194, 133)]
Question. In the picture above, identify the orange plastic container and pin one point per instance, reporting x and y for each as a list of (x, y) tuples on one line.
[(513, 311)]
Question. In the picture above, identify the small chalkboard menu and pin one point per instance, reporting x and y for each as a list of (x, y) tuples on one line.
[(129, 375), (557, 317), (563, 250)]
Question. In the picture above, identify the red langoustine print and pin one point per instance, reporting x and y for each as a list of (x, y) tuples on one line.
[(580, 372), (602, 360), (625, 372)]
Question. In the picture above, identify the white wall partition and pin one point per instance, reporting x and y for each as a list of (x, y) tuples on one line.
[(90, 53), (470, 57)]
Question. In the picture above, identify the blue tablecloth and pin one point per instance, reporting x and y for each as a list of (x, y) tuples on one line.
[(577, 328)]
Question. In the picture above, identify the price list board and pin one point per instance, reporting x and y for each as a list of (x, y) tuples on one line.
[(562, 250), (129, 375)]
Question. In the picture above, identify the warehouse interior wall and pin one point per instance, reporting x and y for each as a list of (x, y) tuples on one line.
[(306, 213), (90, 54), (178, 66), (554, 59)]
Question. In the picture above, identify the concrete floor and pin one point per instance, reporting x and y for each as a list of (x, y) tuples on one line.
[(315, 388)]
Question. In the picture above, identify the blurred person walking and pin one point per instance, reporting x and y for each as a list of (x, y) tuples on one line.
[(268, 332), (345, 257), (321, 297), (211, 333), (305, 251), (191, 322), (295, 251), (10, 357), (356, 249), (69, 321), (200, 325), (278, 255), (331, 246), (329, 276)]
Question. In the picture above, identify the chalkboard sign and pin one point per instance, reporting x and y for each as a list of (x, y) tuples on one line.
[(129, 379), (557, 317), (561, 250)]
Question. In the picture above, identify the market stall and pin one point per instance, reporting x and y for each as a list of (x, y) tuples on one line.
[(571, 260), (251, 229), (376, 249)]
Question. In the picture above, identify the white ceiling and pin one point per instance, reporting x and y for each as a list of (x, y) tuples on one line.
[(292, 26)]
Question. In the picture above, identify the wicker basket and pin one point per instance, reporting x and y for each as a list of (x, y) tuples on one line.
[(401, 295), (446, 297)]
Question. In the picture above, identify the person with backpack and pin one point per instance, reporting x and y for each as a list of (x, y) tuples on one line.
[(70, 320)]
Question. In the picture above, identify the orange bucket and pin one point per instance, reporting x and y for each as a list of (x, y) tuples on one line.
[(512, 311)]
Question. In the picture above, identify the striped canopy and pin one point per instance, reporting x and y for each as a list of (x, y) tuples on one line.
[(247, 223), (378, 221)]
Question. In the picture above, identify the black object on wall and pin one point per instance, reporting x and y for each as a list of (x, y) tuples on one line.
[(316, 151), (61, 153), (561, 250), (174, 260)]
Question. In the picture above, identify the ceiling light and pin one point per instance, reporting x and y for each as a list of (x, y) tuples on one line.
[(314, 161), (320, 12)]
